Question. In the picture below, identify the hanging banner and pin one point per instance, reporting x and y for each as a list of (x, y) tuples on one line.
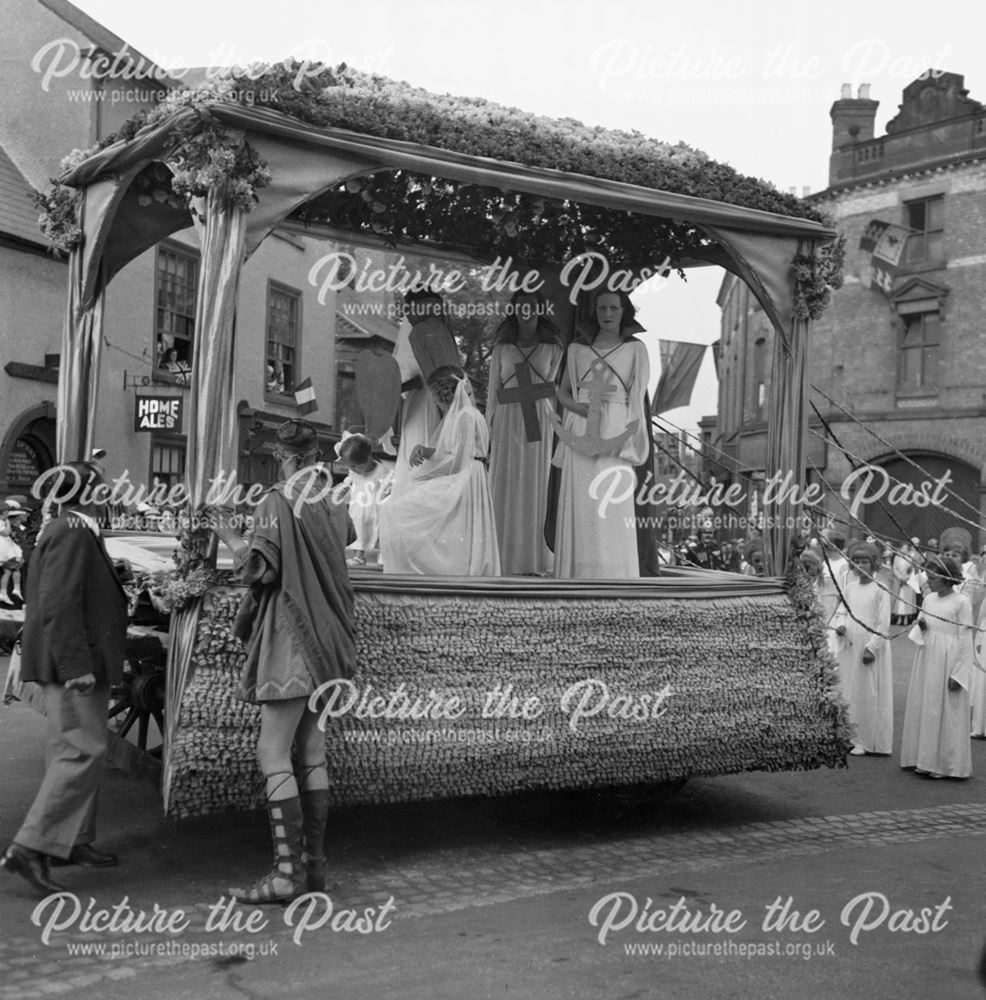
[(680, 362), (885, 244), (158, 413)]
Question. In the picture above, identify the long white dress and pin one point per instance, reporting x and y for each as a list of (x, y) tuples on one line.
[(442, 523), (936, 720), (365, 492), (977, 693), (519, 469), (828, 588), (419, 414), (867, 687), (596, 534)]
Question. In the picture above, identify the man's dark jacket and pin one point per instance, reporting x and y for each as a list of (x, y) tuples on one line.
[(75, 615)]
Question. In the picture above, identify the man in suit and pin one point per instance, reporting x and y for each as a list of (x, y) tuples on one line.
[(75, 630)]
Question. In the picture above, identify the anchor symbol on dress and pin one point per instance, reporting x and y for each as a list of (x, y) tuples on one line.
[(592, 443)]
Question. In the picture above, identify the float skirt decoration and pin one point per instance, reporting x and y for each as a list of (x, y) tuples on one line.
[(622, 683)]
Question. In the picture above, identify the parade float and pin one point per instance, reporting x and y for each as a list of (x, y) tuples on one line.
[(464, 686)]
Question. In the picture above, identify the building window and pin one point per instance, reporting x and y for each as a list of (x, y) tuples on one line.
[(919, 352), (926, 219), (283, 329), (176, 286), (759, 376), (167, 461)]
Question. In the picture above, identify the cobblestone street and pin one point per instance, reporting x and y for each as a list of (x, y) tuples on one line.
[(501, 893)]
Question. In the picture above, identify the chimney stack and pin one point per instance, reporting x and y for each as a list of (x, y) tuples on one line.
[(853, 121)]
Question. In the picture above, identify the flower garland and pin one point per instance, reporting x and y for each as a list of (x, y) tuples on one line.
[(400, 206), (206, 156), (816, 276), (761, 696)]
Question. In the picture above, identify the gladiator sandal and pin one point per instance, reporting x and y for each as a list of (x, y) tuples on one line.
[(315, 809), (286, 879)]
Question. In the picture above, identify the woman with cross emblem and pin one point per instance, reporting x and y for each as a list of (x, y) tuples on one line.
[(519, 403), (603, 438)]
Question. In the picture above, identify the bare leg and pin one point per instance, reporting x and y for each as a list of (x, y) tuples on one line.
[(313, 779), (278, 724), (279, 721)]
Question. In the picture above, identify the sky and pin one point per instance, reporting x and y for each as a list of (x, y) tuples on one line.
[(750, 84)]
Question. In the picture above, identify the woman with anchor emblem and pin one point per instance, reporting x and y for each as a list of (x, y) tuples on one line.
[(603, 437)]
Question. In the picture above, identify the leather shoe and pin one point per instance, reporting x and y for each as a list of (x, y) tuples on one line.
[(32, 866), (87, 856)]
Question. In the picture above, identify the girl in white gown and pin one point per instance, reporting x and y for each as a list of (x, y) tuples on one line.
[(442, 523), (861, 624), (596, 534), (519, 467), (367, 484), (936, 719)]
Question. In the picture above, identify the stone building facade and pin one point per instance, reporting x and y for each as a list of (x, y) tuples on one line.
[(897, 364)]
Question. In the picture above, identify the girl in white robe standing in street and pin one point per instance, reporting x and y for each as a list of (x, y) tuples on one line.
[(861, 623), (936, 719)]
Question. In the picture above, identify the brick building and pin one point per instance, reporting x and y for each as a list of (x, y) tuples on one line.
[(898, 364), (286, 330)]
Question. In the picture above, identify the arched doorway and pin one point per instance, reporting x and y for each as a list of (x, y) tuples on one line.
[(28, 449), (960, 498)]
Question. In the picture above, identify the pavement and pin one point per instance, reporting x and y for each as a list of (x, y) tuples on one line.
[(866, 881)]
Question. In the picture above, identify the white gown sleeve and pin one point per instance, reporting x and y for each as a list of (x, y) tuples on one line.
[(493, 387), (963, 665), (636, 448)]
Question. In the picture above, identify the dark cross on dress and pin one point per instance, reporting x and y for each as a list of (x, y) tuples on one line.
[(592, 443), (527, 393)]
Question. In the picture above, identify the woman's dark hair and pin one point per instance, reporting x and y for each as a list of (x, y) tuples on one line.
[(947, 567), (629, 326), (356, 449), (509, 329)]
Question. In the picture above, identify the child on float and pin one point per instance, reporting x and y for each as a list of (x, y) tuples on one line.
[(936, 719), (367, 483), (861, 624), (753, 558)]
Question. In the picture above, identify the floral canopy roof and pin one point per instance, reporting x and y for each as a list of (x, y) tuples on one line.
[(463, 175), (363, 159)]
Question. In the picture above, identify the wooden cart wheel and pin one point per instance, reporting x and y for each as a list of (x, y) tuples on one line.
[(141, 695)]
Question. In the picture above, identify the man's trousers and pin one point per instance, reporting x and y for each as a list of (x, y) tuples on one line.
[(64, 810)]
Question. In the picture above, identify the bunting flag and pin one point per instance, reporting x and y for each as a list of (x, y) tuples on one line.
[(885, 243), (304, 397), (680, 362), (182, 371)]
